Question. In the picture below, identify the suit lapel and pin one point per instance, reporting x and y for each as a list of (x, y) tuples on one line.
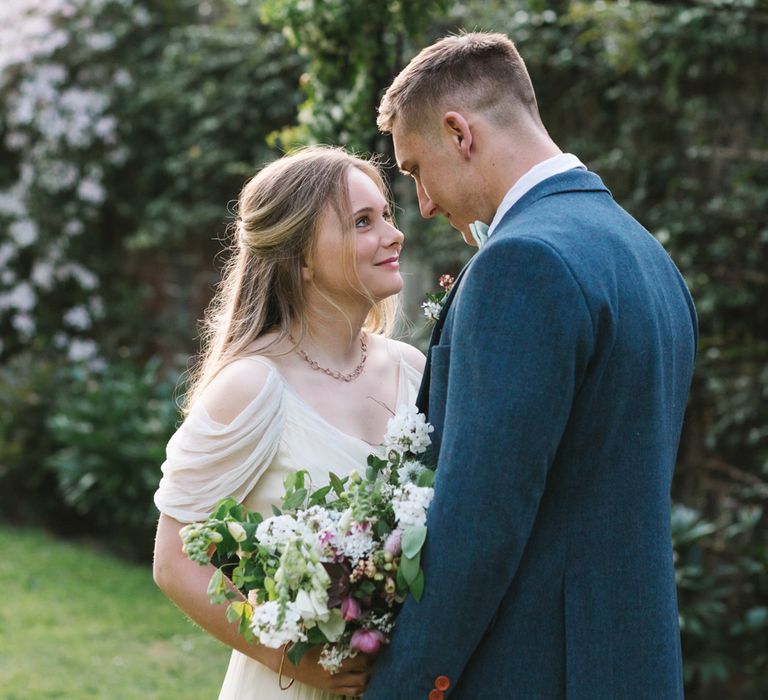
[(422, 398), (569, 181)]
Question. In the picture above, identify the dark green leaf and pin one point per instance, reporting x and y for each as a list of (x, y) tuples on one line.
[(296, 651)]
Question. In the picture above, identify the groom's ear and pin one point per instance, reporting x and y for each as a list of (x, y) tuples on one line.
[(457, 128)]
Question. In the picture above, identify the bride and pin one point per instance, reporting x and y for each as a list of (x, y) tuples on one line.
[(296, 372)]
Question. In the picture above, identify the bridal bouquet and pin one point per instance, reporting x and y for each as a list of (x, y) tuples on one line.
[(332, 566)]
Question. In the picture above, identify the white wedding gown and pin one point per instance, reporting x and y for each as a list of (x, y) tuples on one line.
[(277, 433)]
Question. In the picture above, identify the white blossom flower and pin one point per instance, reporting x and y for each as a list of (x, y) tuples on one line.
[(410, 504), (91, 191), (237, 531), (408, 431), (24, 325), (22, 298), (74, 227), (277, 531), (7, 251), (313, 605), (333, 656), (432, 309), (79, 318), (80, 350), (42, 274), (264, 624), (411, 470), (358, 542), (24, 232)]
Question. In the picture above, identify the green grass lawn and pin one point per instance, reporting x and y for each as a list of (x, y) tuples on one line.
[(80, 625)]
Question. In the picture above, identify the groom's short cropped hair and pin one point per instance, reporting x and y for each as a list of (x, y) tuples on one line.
[(477, 71)]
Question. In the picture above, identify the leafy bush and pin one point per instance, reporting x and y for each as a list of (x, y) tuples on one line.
[(28, 491), (722, 580), (111, 427)]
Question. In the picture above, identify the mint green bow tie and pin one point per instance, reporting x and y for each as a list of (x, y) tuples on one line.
[(479, 231)]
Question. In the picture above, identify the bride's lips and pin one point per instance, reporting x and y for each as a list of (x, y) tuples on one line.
[(392, 262)]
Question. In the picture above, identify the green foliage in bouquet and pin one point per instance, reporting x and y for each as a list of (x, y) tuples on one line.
[(331, 564)]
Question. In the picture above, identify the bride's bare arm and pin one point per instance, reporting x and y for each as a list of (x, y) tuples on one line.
[(185, 582)]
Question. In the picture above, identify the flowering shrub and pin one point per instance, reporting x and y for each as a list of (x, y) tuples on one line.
[(59, 81)]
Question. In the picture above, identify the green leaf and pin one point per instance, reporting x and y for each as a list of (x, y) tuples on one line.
[(295, 500), (337, 484), (276, 510), (318, 497), (410, 568), (417, 585), (426, 478), (223, 507), (383, 528), (413, 540), (334, 626), (289, 482), (297, 650), (316, 636), (253, 517), (216, 587), (402, 584)]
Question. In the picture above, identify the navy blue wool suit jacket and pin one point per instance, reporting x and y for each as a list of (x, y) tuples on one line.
[(557, 382)]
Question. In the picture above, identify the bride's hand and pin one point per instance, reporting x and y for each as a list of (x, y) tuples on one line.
[(351, 680)]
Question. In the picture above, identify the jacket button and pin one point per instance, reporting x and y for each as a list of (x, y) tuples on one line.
[(436, 694), (442, 683)]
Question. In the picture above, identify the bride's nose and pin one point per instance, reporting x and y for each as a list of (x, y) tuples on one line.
[(394, 236)]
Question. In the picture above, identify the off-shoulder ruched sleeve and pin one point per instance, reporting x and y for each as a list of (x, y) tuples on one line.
[(207, 461)]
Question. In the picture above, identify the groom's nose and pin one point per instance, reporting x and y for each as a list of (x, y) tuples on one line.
[(427, 207)]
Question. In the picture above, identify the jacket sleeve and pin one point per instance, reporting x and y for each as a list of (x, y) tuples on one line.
[(520, 340)]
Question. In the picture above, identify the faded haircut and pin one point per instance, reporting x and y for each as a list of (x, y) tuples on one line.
[(477, 71)]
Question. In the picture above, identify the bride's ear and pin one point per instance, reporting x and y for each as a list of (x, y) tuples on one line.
[(306, 269)]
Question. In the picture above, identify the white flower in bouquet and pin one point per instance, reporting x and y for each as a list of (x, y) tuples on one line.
[(410, 503), (358, 542), (313, 605), (237, 531), (408, 431), (318, 518), (273, 533), (265, 624), (410, 470)]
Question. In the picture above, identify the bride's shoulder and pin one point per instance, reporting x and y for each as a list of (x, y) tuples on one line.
[(236, 386), (398, 350)]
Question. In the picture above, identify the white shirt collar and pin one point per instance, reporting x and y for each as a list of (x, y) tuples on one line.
[(538, 173)]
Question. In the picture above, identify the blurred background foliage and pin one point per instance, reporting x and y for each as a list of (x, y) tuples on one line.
[(127, 128)]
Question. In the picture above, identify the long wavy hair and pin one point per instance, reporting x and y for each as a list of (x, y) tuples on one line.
[(274, 235)]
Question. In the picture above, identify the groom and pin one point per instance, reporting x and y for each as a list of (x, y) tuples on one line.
[(557, 378)]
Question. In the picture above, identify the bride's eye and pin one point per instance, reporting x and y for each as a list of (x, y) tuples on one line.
[(362, 221), (387, 215)]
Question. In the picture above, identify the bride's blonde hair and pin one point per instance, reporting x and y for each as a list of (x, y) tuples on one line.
[(273, 237)]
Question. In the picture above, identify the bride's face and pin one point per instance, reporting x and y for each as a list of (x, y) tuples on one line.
[(377, 244)]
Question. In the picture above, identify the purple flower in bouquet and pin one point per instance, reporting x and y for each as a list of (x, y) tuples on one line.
[(392, 545), (351, 609), (366, 641)]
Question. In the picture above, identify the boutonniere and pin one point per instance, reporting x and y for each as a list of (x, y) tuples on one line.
[(434, 303)]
